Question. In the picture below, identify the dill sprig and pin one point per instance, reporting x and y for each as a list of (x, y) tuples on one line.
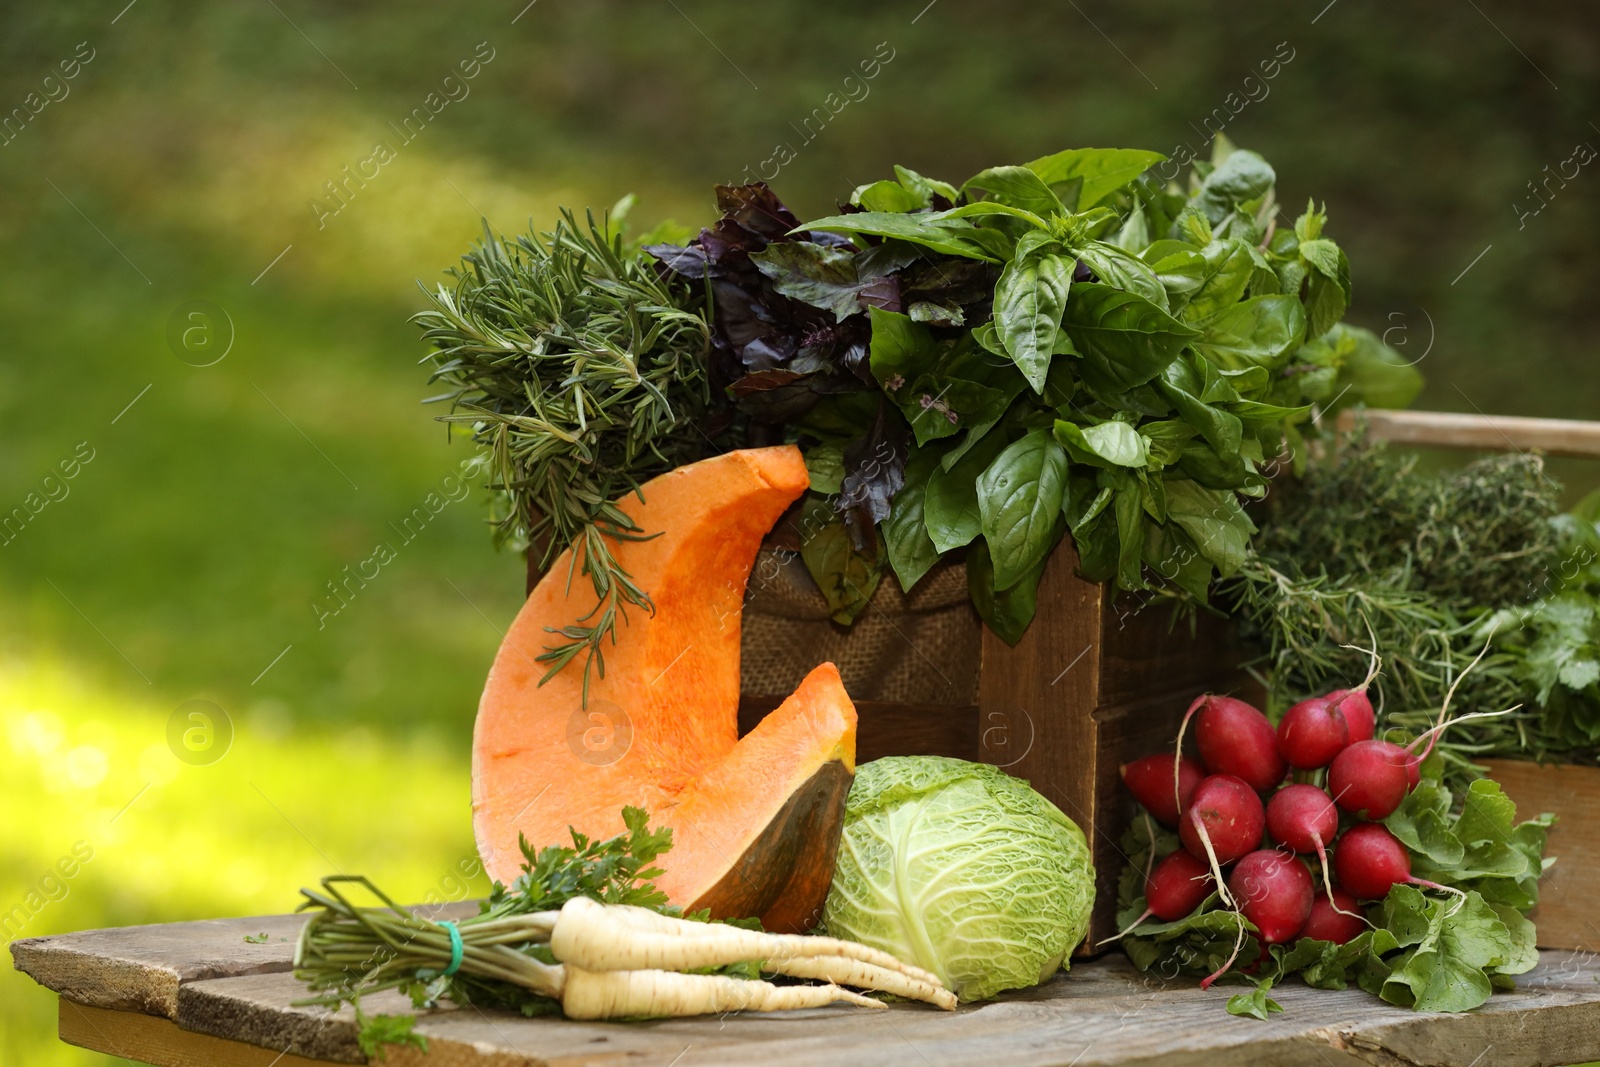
[(582, 372)]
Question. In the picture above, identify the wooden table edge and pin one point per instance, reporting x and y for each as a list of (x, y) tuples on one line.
[(157, 1040)]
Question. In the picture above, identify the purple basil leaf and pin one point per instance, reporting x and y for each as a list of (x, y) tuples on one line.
[(689, 262), (874, 471)]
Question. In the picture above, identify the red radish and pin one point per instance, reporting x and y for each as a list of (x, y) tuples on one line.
[(1338, 921), (1369, 779), (1234, 738), (1302, 817), (1231, 815), (1359, 717), (1177, 886), (1369, 859), (1311, 733), (1305, 819), (1275, 892), (1150, 782)]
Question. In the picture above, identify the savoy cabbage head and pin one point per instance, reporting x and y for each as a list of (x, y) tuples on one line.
[(961, 869)]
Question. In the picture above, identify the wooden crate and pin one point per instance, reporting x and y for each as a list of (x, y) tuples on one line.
[(1572, 794), (1096, 681)]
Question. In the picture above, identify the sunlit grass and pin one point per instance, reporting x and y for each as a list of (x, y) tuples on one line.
[(238, 837)]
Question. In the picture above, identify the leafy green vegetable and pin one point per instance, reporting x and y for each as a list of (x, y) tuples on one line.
[(962, 870), (1256, 1004), (1069, 321)]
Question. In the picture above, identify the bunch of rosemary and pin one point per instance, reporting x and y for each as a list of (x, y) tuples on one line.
[(582, 371), (1424, 561)]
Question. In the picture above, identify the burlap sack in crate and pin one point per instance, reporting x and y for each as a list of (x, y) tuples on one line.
[(916, 648)]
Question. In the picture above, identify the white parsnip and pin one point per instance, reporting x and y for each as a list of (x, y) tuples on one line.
[(653, 993), (602, 937), (864, 976)]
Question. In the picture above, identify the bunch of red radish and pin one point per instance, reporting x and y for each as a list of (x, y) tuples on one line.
[(1216, 804)]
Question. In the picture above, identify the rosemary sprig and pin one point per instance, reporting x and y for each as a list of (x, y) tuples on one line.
[(582, 372)]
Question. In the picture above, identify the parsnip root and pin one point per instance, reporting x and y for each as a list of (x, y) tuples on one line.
[(614, 937), (655, 994)]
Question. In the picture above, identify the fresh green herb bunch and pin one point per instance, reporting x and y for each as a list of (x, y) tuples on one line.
[(1075, 344), (582, 372), (1432, 566), (1485, 535)]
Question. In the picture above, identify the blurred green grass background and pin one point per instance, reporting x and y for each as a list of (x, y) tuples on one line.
[(182, 164)]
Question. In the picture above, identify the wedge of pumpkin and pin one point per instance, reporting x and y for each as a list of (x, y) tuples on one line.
[(756, 820)]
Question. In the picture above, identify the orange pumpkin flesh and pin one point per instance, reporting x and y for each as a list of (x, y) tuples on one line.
[(755, 821)]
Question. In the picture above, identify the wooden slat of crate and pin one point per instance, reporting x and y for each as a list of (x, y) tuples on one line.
[(1102, 1013), (1566, 915), (1092, 684)]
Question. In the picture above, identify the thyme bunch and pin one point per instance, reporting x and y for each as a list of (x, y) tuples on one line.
[(582, 372)]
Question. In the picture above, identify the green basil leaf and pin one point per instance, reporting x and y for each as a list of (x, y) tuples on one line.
[(1134, 236), (1097, 544), (1126, 341), (886, 195), (952, 236), (1110, 444), (1227, 272), (1115, 267), (1375, 374), (1326, 298), (1166, 439), (825, 465), (1129, 506), (1098, 172), (1185, 386), (1261, 332), (927, 188), (1214, 520), (1258, 416), (1242, 177), (1018, 187), (1322, 254), (1084, 501), (1181, 273), (950, 508), (1028, 302), (1007, 611), (846, 577), (1019, 504), (911, 550), (899, 346), (1170, 553)]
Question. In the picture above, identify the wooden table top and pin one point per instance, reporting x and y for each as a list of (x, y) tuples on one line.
[(192, 994)]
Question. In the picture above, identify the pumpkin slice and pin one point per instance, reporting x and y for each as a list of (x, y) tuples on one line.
[(756, 821)]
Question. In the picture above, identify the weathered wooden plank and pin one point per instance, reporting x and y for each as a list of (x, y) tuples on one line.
[(1565, 915), (1036, 704), (1493, 433), (151, 1039), (1148, 648), (1102, 1013), (140, 968)]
